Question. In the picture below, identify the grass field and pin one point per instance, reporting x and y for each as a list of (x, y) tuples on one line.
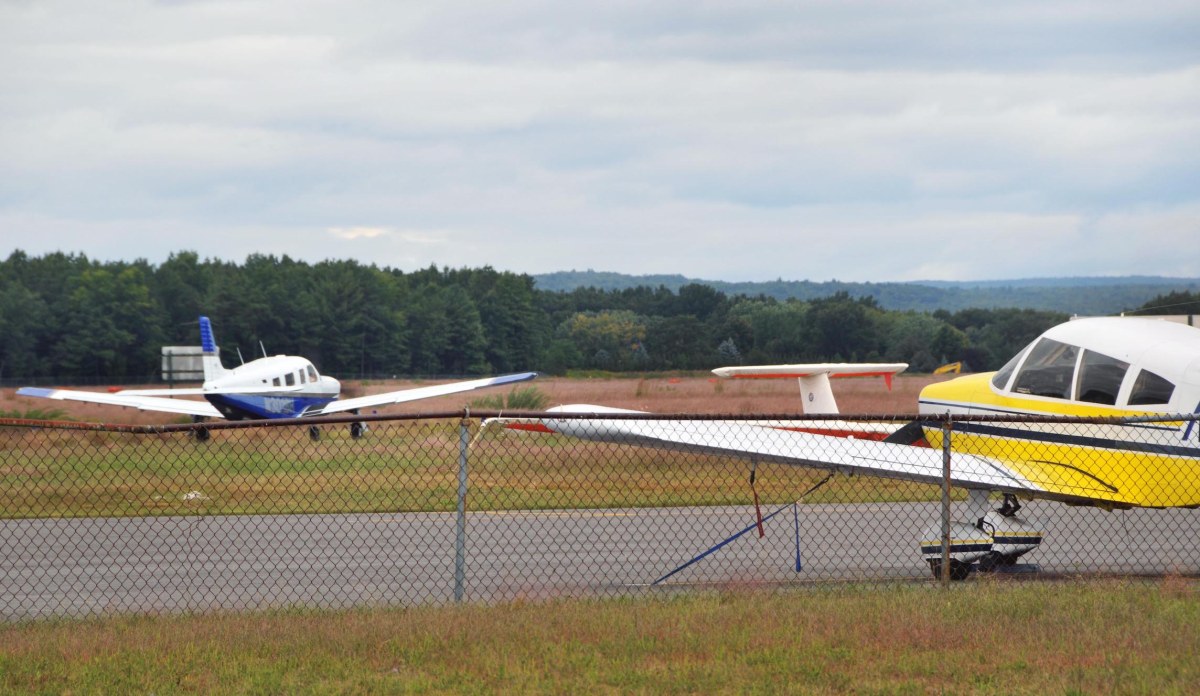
[(399, 466), (407, 467), (989, 637)]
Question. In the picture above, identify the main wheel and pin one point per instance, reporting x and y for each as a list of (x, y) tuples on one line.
[(994, 561), (200, 434), (958, 570), (357, 429), (314, 433)]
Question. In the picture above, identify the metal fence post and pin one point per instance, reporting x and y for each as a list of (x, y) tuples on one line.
[(460, 526), (946, 427)]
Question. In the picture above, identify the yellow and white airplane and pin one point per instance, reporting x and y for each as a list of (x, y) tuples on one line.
[(1142, 373)]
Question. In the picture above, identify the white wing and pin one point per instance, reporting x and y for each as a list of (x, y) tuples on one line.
[(403, 395), (188, 407), (767, 444)]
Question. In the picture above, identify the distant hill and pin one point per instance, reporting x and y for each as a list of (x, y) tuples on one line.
[(1088, 295)]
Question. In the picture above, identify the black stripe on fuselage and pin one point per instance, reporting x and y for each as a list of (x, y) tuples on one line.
[(1026, 414), (1076, 440)]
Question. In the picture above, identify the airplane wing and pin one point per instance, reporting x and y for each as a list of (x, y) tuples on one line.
[(188, 407), (756, 441), (404, 395)]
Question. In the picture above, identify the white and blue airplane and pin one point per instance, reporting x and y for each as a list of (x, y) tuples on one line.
[(280, 386)]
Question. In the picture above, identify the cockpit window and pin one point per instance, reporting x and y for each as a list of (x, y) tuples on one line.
[(1100, 378), (1048, 371), (1149, 388), (1000, 379), (312, 374), (300, 374)]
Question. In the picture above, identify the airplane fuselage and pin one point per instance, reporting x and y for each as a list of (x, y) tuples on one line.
[(281, 386), (1109, 367)]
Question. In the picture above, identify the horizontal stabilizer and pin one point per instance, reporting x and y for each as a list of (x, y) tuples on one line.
[(817, 396), (832, 370)]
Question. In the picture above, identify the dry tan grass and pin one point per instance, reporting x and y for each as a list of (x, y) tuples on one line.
[(694, 394)]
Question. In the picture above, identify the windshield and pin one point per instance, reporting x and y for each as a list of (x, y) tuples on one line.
[(1000, 379), (1048, 371)]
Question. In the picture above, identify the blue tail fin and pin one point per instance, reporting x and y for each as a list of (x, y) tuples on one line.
[(207, 342), (211, 358)]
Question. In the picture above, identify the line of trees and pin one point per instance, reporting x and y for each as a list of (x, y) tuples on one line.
[(68, 318)]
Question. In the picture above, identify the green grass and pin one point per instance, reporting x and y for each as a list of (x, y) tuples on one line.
[(400, 466), (986, 637), (519, 399), (46, 414)]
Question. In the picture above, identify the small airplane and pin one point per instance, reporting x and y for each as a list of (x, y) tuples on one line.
[(1145, 372), (280, 386)]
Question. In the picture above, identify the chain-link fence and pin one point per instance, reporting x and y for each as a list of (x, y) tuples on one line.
[(450, 507)]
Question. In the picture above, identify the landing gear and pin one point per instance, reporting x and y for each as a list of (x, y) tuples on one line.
[(200, 434), (983, 539), (994, 561), (357, 428), (314, 433), (958, 570)]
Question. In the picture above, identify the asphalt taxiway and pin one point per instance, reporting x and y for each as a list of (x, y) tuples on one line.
[(95, 566)]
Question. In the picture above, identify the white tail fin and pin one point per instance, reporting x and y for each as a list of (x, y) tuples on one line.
[(816, 394), (213, 369)]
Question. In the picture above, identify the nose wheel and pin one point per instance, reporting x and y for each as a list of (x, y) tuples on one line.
[(988, 540)]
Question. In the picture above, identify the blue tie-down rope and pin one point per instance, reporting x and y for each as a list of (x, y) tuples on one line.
[(721, 545), (796, 516), (757, 525)]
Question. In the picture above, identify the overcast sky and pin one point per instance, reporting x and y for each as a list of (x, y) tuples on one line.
[(736, 140)]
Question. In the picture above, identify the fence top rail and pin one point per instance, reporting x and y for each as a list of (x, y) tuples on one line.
[(467, 414)]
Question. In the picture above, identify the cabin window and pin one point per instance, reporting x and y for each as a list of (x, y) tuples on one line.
[(290, 379), (275, 381), (300, 374), (1100, 378), (1048, 371), (1149, 388), (312, 374), (1000, 379)]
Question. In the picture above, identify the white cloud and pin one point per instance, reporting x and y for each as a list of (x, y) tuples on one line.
[(352, 233), (724, 140)]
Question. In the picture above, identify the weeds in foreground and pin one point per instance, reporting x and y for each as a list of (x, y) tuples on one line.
[(983, 637), (519, 399)]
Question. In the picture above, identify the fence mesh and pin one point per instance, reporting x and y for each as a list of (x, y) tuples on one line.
[(99, 520)]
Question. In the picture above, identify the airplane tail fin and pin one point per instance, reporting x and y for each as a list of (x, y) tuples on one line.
[(814, 378), (211, 357)]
